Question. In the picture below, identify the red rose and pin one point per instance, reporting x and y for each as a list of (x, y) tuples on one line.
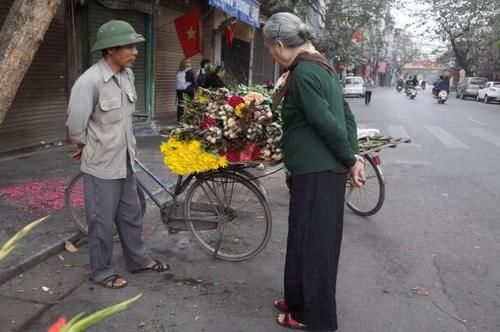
[(256, 153), (208, 122), (245, 155), (232, 156), (235, 100), (250, 152)]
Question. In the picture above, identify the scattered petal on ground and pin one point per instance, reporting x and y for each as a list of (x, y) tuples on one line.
[(47, 195)]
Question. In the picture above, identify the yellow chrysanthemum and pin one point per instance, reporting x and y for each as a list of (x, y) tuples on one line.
[(202, 99), (185, 158), (240, 110)]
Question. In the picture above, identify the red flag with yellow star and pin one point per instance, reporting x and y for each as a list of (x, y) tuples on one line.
[(188, 31)]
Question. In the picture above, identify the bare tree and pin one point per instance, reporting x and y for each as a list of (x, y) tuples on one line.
[(463, 24), (21, 35)]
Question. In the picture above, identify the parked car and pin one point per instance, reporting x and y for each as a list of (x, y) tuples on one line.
[(470, 86), (354, 86), (489, 92)]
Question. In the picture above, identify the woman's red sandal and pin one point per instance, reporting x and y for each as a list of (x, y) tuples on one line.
[(286, 320), (281, 305)]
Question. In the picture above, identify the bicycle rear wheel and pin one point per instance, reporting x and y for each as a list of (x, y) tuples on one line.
[(228, 216), (75, 203), (367, 200)]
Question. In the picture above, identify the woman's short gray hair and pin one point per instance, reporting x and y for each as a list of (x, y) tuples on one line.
[(287, 28)]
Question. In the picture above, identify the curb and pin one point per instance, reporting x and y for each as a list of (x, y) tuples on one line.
[(18, 266)]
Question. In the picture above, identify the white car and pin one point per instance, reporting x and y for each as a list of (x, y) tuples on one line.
[(354, 86), (489, 92)]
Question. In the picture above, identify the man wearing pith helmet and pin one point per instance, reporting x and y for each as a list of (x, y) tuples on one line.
[(99, 122)]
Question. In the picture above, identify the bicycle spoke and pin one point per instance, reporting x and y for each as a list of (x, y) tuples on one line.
[(243, 227)]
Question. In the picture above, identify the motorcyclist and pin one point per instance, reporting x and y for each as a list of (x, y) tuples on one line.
[(408, 81), (414, 81), (410, 84), (444, 84), (435, 89), (400, 84)]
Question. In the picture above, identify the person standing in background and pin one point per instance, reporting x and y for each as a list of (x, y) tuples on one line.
[(369, 86), (215, 79), (185, 84), (203, 71)]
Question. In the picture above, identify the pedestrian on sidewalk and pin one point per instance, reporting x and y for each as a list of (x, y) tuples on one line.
[(185, 83), (369, 87), (99, 121), (319, 142), (215, 79), (205, 66)]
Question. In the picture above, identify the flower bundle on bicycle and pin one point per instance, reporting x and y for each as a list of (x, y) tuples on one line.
[(223, 126)]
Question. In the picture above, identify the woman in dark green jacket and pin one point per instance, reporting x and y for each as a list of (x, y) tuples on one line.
[(320, 147)]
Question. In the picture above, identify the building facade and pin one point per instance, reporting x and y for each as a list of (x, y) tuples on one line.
[(38, 113)]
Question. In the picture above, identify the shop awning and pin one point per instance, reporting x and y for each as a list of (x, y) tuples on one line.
[(243, 10)]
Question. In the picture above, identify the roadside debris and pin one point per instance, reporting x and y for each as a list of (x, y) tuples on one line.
[(69, 246), (420, 291)]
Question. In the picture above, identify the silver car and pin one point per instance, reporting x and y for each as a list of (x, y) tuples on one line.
[(354, 86), (470, 87)]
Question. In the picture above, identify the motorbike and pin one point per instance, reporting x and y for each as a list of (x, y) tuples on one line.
[(399, 87), (442, 96), (411, 92), (423, 85)]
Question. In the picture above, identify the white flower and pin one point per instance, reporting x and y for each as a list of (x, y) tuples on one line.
[(277, 156)]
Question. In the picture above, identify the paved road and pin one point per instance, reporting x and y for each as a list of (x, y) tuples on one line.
[(438, 230)]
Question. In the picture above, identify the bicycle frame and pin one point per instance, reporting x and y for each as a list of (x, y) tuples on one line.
[(179, 187)]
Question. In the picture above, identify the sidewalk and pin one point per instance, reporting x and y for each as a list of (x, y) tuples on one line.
[(52, 283), (32, 186)]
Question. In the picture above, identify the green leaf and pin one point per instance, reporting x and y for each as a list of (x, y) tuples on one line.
[(102, 314), (14, 241), (70, 323)]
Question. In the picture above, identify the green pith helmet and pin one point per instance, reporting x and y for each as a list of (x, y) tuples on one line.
[(115, 33)]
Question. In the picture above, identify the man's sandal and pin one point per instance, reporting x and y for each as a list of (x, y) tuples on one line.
[(157, 266), (111, 282), (286, 320), (281, 305)]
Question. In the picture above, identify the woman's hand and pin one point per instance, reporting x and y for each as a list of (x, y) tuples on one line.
[(357, 172)]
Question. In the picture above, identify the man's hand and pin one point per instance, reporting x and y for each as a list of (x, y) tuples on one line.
[(77, 155)]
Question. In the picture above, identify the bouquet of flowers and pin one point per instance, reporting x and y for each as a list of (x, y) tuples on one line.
[(222, 126)]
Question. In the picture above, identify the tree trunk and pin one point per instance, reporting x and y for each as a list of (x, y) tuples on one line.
[(21, 35), (461, 57)]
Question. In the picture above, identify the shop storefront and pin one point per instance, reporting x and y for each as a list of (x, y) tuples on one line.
[(139, 15), (38, 112), (234, 23), (168, 55)]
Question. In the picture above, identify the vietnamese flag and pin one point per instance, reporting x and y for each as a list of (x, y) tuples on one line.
[(188, 31)]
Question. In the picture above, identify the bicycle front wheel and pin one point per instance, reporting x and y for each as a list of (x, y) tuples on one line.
[(75, 203), (367, 200), (228, 216)]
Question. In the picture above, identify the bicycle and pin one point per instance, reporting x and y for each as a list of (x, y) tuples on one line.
[(225, 211), (368, 199)]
